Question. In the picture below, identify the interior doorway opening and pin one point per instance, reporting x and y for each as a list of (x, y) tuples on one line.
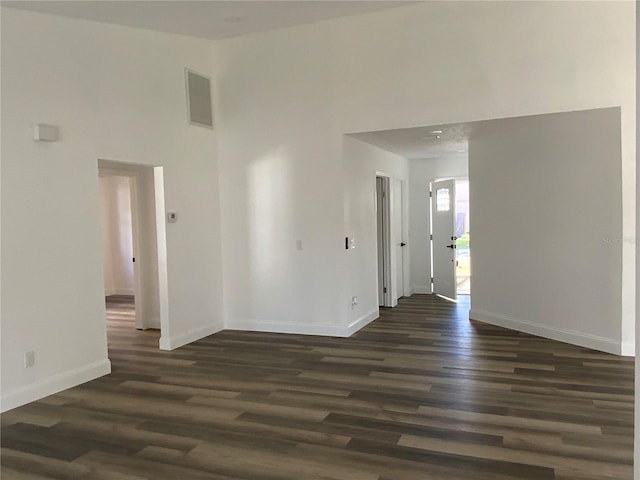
[(120, 275), (383, 228), (391, 240), (134, 242)]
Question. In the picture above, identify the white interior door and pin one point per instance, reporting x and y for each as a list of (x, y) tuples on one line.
[(381, 219), (443, 214), (397, 239)]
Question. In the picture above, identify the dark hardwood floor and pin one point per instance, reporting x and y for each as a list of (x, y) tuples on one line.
[(421, 393)]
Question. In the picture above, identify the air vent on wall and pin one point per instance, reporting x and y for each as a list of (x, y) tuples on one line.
[(199, 111)]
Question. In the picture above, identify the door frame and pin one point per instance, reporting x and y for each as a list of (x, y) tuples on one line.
[(400, 238), (143, 266), (387, 300)]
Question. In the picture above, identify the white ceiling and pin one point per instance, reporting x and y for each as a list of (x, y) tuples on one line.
[(206, 19), (421, 142)]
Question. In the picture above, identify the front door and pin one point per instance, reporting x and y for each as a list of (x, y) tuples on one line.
[(443, 213)]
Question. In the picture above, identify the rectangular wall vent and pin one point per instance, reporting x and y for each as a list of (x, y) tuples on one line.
[(199, 111)]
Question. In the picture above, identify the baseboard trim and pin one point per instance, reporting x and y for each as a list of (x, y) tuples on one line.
[(118, 291), (361, 322), (153, 322), (421, 289), (255, 325), (628, 349), (171, 343), (55, 384), (573, 337), (124, 291)]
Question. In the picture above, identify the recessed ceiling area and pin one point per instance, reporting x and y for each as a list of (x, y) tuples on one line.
[(421, 142), (207, 19)]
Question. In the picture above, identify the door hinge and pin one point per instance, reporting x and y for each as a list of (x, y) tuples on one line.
[(431, 194), (431, 279), (384, 290), (134, 259), (430, 237)]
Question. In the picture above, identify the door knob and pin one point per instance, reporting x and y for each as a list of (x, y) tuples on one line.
[(402, 244), (451, 246)]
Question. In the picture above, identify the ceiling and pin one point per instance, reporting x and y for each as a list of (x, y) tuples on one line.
[(206, 19), (421, 142)]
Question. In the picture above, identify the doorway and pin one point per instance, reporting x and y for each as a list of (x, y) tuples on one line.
[(383, 227), (391, 243), (134, 239), (450, 238), (398, 240), (463, 239), (120, 275)]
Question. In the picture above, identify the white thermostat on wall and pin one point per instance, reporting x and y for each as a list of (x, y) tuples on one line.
[(172, 217)]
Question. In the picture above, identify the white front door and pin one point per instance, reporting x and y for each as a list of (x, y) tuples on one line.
[(443, 213)]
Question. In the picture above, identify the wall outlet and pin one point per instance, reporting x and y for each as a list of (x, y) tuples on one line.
[(29, 359), (354, 301)]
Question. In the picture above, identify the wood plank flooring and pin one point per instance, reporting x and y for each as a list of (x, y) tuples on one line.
[(421, 393)]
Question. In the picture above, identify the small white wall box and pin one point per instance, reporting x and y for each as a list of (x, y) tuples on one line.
[(45, 133)]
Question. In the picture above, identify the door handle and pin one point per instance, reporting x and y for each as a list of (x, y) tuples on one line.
[(453, 245), (402, 244)]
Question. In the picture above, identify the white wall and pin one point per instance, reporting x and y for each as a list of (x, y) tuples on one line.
[(362, 162), (118, 94), (288, 96), (545, 197), (117, 237), (421, 174)]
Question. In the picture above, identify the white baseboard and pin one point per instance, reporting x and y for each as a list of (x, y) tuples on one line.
[(361, 322), (421, 289), (55, 384), (124, 291), (628, 349), (118, 291), (171, 343), (255, 325), (153, 322), (563, 335)]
